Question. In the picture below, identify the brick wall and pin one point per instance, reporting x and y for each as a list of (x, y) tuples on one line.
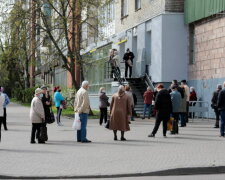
[(174, 5), (209, 50)]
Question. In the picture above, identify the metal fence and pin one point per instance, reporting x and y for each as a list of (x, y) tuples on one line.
[(199, 109)]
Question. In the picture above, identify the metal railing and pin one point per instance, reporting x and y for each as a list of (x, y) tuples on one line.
[(198, 108), (148, 82)]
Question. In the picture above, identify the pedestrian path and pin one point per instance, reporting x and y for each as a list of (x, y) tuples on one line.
[(197, 145)]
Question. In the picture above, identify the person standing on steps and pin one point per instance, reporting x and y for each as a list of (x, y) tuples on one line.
[(128, 58), (82, 106), (37, 116), (2, 101), (163, 106), (214, 104), (7, 101), (120, 113), (148, 97)]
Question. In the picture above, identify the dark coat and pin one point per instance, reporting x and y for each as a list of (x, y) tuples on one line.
[(103, 100), (46, 107), (163, 104), (215, 99), (127, 55), (221, 101)]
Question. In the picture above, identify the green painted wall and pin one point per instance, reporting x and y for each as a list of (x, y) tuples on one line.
[(199, 9)]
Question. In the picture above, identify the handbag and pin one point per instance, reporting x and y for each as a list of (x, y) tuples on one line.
[(43, 133), (76, 123), (50, 118), (129, 62), (170, 124)]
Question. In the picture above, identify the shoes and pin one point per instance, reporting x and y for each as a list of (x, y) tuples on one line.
[(32, 142), (216, 127), (143, 118), (115, 138), (148, 117), (60, 124), (78, 140), (164, 136), (151, 135), (132, 120), (183, 126), (41, 142), (173, 133), (6, 129), (222, 136), (122, 139), (87, 141)]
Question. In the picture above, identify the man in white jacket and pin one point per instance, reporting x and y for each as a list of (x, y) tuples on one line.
[(37, 115)]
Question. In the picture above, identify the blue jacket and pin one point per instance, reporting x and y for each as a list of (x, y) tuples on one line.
[(176, 100), (58, 98), (7, 101)]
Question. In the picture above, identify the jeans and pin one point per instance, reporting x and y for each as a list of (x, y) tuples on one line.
[(81, 134), (222, 115), (147, 107), (59, 111), (182, 119)]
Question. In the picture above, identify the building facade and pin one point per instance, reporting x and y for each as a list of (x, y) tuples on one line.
[(206, 46), (157, 35)]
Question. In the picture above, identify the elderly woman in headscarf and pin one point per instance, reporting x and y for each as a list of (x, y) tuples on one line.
[(120, 112), (37, 115)]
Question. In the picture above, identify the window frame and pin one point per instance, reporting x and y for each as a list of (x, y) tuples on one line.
[(123, 13), (137, 2)]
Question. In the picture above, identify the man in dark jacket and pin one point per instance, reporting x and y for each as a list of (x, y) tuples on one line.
[(221, 108), (163, 105), (128, 64), (214, 104)]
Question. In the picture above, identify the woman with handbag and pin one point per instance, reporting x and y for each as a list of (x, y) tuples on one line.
[(37, 116), (103, 100)]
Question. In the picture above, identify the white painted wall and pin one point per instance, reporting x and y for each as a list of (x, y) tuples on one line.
[(174, 47), (156, 57)]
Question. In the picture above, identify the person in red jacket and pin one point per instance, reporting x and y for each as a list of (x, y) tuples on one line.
[(193, 97), (148, 96)]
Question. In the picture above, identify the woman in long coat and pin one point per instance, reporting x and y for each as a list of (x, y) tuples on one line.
[(120, 112)]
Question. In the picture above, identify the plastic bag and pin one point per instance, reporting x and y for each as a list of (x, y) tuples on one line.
[(76, 123)]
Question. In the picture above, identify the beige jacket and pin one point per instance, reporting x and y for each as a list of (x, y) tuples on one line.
[(82, 103), (37, 112), (187, 91)]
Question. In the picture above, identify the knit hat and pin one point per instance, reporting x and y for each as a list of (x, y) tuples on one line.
[(38, 91)]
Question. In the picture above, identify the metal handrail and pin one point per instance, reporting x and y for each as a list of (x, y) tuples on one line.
[(148, 81)]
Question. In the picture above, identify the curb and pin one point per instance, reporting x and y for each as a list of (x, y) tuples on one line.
[(170, 172)]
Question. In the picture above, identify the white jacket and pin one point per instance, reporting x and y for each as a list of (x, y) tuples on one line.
[(37, 112), (2, 101)]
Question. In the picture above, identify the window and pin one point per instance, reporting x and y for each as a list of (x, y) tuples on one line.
[(137, 5), (124, 8), (191, 44)]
